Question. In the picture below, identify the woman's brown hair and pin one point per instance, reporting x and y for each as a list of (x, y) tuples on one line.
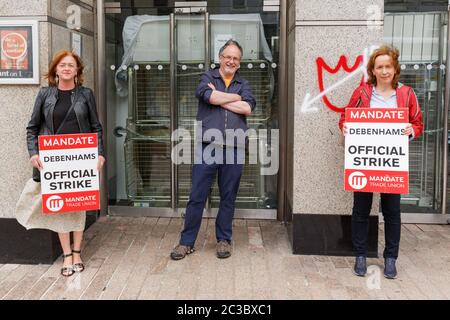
[(384, 50), (51, 74)]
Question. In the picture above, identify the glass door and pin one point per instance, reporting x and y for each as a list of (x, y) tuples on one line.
[(155, 57), (146, 146), (190, 53), (421, 39), (258, 66)]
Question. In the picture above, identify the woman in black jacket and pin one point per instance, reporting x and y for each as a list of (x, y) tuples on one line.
[(52, 114)]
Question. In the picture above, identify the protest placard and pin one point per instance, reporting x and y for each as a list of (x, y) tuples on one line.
[(376, 151), (69, 179)]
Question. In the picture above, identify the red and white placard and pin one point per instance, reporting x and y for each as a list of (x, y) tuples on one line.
[(376, 151), (69, 180)]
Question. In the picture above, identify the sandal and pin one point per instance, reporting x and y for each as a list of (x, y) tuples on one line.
[(78, 267), (67, 271)]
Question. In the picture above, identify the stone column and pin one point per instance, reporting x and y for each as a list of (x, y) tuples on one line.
[(321, 209), (17, 245)]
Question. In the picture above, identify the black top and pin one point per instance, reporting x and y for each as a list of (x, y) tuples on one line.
[(61, 108)]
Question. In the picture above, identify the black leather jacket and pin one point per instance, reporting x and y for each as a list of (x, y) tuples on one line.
[(41, 122)]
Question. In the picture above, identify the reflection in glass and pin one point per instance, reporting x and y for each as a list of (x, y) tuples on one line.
[(139, 98), (420, 37)]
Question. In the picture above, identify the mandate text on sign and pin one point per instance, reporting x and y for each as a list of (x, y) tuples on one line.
[(376, 151)]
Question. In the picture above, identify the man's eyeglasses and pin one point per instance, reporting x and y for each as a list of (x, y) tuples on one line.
[(230, 58)]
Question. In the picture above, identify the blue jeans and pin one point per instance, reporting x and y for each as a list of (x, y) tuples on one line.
[(390, 206), (229, 176)]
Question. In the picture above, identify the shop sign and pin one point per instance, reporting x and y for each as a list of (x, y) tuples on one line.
[(69, 179), (19, 52), (376, 151)]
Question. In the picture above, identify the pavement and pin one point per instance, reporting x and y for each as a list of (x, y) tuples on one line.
[(128, 258)]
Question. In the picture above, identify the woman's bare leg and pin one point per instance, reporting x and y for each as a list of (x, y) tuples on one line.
[(77, 240), (64, 239)]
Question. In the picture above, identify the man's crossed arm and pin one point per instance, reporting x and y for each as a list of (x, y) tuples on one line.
[(230, 101)]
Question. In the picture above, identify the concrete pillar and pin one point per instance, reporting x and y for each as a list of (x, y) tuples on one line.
[(321, 209)]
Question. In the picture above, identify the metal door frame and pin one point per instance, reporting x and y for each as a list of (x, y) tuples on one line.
[(173, 211), (443, 217)]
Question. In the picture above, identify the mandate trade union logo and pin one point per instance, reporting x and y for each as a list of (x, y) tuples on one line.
[(357, 180), (54, 203)]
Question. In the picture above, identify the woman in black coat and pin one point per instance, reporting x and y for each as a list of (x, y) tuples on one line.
[(52, 114)]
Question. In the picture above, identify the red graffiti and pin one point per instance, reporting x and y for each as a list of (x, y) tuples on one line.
[(342, 63)]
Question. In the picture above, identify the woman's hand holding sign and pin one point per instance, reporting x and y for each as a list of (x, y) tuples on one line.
[(408, 130), (344, 129), (101, 162), (36, 162)]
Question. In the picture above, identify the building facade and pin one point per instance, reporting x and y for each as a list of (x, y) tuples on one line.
[(144, 58)]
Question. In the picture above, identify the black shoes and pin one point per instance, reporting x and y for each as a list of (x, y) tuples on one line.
[(390, 271), (360, 268)]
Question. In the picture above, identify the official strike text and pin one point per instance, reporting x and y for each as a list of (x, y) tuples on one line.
[(83, 179), (367, 153)]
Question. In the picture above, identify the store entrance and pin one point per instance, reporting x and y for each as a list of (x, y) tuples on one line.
[(154, 64), (422, 39)]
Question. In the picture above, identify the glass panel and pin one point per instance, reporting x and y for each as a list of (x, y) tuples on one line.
[(139, 95), (421, 45), (147, 144), (258, 36), (138, 99), (190, 43)]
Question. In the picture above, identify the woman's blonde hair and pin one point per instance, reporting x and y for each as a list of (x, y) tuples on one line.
[(384, 50), (51, 74)]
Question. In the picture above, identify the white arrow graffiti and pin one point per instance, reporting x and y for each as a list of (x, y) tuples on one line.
[(307, 105)]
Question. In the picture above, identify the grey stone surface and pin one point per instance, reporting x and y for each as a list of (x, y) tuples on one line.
[(16, 110), (17, 103), (319, 156), (89, 2), (58, 10), (23, 8), (328, 10)]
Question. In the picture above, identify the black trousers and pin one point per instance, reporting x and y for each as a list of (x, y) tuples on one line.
[(390, 206)]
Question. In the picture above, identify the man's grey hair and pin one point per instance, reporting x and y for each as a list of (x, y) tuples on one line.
[(231, 42)]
